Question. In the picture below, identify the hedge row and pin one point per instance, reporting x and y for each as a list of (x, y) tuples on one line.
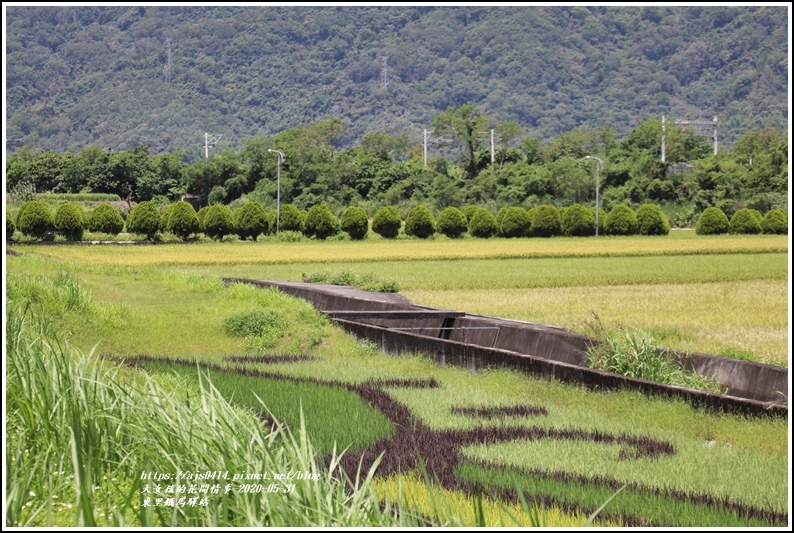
[(713, 221), (251, 220)]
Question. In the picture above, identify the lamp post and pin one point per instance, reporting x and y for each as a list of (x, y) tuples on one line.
[(279, 159), (599, 165)]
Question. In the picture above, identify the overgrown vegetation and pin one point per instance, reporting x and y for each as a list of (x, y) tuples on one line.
[(634, 354), (365, 281)]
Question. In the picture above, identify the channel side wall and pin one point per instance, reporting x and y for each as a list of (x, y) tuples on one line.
[(744, 379), (446, 352)]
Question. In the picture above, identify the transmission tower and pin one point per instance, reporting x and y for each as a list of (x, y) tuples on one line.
[(167, 68), (384, 72)]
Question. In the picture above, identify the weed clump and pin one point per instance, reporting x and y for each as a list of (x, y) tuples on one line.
[(633, 353), (364, 282)]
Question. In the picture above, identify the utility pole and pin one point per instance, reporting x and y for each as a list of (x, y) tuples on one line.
[(425, 135), (210, 140), (280, 157), (599, 166), (493, 149), (663, 140)]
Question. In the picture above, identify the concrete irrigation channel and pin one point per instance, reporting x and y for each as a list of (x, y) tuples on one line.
[(397, 325)]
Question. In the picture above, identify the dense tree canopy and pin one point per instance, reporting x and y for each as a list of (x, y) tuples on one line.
[(96, 75)]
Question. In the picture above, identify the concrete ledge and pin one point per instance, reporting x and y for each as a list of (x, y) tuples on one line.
[(461, 335), (478, 358)]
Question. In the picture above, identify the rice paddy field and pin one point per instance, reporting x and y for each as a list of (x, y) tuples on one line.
[(428, 445)]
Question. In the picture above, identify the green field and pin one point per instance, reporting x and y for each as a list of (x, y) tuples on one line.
[(724, 295), (732, 298)]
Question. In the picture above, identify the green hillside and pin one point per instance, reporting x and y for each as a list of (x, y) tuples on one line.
[(80, 76)]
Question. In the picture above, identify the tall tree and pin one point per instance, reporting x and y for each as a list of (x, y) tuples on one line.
[(464, 125)]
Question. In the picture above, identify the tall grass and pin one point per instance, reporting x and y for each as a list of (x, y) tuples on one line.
[(366, 281), (633, 353), (80, 439)]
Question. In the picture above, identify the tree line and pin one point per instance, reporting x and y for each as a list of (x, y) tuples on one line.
[(458, 167)]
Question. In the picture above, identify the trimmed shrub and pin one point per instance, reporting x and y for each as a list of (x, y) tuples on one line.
[(250, 220), (355, 223), (10, 227), (621, 221), (35, 219), (70, 221), (545, 221), (144, 219), (757, 214), (183, 220), (320, 222), (578, 221), (775, 222), (482, 224), (451, 222), (420, 222), (386, 222), (515, 222), (106, 219), (744, 221), (290, 218), (651, 220), (218, 222), (712, 221)]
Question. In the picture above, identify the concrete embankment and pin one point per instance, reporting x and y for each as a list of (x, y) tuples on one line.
[(477, 342)]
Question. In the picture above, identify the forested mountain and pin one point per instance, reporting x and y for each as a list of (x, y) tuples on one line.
[(119, 77)]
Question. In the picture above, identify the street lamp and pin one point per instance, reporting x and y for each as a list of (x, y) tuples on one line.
[(599, 166), (279, 159)]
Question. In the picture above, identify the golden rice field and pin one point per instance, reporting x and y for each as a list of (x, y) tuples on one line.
[(221, 253), (725, 295)]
